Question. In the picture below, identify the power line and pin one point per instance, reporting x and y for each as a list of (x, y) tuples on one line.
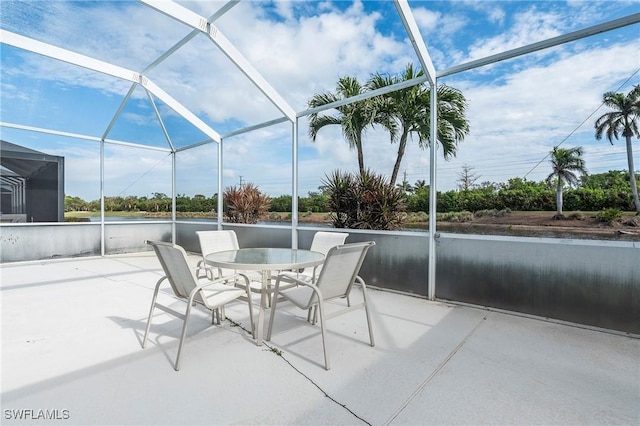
[(580, 125), (142, 175)]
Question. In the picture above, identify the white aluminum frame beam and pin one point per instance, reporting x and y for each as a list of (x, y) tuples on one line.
[(255, 127), (64, 55), (197, 144), (119, 111), (363, 96), (159, 117), (79, 136), (179, 108), (192, 19), (433, 193), (164, 56), (409, 22), (534, 47), (224, 9), (97, 65)]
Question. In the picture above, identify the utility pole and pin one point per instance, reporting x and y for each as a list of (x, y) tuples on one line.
[(241, 182)]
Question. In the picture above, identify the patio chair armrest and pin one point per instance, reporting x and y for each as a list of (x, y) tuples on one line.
[(293, 280), (164, 277), (288, 276), (222, 280), (240, 274), (209, 271)]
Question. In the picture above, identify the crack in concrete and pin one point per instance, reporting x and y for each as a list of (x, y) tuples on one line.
[(436, 371), (279, 353)]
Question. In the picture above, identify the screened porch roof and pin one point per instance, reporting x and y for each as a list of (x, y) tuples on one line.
[(203, 70)]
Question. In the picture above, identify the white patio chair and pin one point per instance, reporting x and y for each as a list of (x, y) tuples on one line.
[(213, 242), (216, 241), (339, 272), (186, 286), (322, 242)]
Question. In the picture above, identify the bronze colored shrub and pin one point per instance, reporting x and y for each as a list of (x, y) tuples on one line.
[(245, 204)]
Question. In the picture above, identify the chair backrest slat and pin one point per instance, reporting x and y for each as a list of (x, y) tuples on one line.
[(340, 269), (323, 242), (216, 241), (174, 262)]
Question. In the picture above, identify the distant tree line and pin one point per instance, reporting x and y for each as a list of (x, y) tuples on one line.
[(158, 202), (593, 192)]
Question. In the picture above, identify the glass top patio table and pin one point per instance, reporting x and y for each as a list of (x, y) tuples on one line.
[(260, 259), (265, 260)]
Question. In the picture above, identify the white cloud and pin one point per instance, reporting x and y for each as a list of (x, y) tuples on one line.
[(323, 47), (496, 15), (138, 119), (528, 28), (425, 19), (9, 91)]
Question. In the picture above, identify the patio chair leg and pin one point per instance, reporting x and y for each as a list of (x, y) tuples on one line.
[(153, 306), (320, 309), (366, 310), (314, 318), (273, 314), (146, 331), (312, 314), (250, 303), (182, 336)]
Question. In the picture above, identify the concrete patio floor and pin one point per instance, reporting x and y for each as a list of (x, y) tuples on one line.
[(71, 333)]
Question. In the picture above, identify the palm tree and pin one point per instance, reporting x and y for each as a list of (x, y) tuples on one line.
[(420, 183), (564, 163), (405, 186), (409, 109), (353, 118), (623, 120)]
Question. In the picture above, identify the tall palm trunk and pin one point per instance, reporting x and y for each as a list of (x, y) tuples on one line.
[(360, 153), (402, 145), (559, 197), (632, 175)]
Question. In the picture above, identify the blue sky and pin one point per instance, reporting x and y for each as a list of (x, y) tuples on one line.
[(518, 109)]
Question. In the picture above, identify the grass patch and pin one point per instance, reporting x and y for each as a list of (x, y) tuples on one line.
[(108, 214), (493, 212), (609, 215), (463, 216), (417, 217)]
